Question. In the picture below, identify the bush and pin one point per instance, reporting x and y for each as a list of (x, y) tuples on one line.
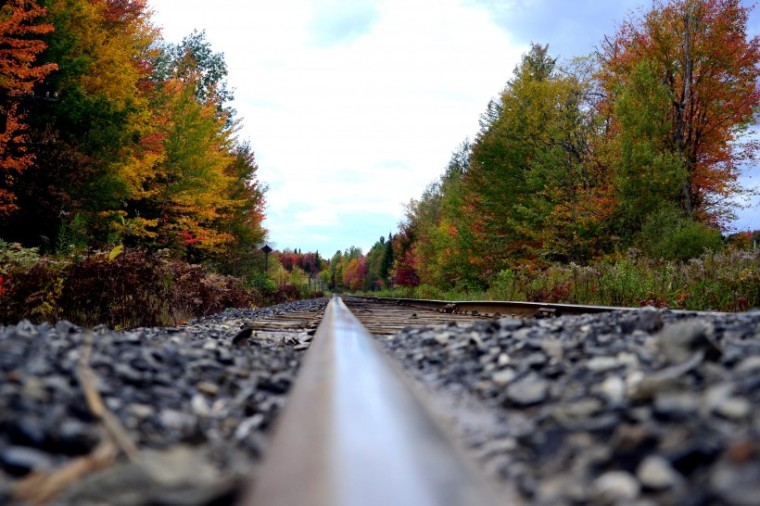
[(668, 235), (134, 288), (505, 286), (29, 284), (727, 280)]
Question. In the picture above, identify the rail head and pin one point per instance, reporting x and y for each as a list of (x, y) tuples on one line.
[(353, 433), (500, 308), (519, 308)]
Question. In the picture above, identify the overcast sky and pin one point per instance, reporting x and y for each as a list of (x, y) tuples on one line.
[(353, 106)]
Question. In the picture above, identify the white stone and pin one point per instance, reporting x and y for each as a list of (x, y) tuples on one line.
[(613, 388), (656, 473), (503, 377), (614, 486)]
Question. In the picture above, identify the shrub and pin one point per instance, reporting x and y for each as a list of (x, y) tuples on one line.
[(504, 286), (668, 235), (32, 292), (134, 288), (130, 290), (29, 284)]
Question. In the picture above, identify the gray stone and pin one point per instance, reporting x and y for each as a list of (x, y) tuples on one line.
[(613, 388), (503, 376), (737, 485), (749, 364), (531, 389), (200, 406), (26, 329), (175, 420), (680, 341), (142, 410), (248, 425), (553, 348), (602, 364), (577, 410), (656, 473), (616, 487), (676, 405), (510, 323), (734, 408), (649, 320), (442, 338), (21, 460)]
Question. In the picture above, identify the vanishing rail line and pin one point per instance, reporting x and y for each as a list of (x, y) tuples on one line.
[(353, 433), (492, 308)]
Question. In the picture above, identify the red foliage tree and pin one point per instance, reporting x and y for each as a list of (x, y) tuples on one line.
[(353, 277), (19, 48), (701, 53)]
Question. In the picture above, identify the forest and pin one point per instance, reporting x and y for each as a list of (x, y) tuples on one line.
[(113, 140), (607, 178), (610, 178)]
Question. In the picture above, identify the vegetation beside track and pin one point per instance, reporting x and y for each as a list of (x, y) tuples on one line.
[(727, 280), (124, 289)]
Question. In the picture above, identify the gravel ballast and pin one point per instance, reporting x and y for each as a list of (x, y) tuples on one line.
[(633, 408), (644, 407), (196, 406)]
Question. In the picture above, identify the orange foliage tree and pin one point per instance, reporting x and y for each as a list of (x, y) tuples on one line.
[(701, 55), (20, 45), (353, 277)]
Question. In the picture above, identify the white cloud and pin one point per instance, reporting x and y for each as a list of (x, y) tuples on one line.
[(354, 106), (349, 122)]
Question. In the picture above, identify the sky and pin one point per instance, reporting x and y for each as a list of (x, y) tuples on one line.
[(353, 107)]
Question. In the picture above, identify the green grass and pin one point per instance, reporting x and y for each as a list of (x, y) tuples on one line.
[(716, 281)]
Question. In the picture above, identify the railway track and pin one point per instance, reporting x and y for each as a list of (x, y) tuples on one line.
[(625, 407), (353, 432)]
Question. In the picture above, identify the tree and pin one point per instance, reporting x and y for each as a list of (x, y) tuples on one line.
[(193, 58), (20, 45), (192, 180), (353, 277), (404, 270), (243, 219), (378, 262), (649, 173), (97, 140), (443, 242), (701, 54), (531, 192)]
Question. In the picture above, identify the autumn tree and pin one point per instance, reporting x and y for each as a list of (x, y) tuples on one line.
[(355, 271), (244, 217), (96, 140), (188, 195), (649, 172), (404, 271), (532, 192), (21, 31), (698, 57), (334, 276), (578, 160), (378, 263), (443, 238), (142, 148)]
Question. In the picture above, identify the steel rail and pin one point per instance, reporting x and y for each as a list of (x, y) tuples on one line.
[(353, 433), (504, 308)]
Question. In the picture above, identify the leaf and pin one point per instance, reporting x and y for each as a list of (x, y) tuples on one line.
[(118, 250)]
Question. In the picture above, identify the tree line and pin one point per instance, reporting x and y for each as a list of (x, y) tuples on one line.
[(638, 145), (111, 135)]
